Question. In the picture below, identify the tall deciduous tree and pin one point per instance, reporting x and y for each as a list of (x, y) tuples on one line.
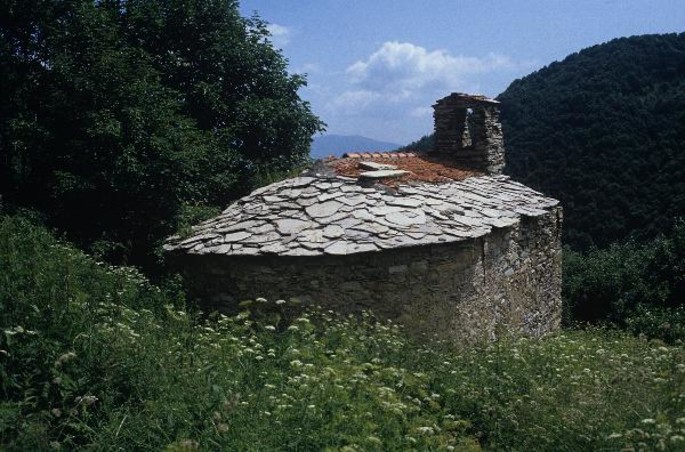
[(116, 114)]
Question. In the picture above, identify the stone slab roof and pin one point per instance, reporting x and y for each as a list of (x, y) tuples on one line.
[(466, 99), (335, 215)]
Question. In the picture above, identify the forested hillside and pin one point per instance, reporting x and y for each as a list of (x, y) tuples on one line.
[(604, 131), (123, 119)]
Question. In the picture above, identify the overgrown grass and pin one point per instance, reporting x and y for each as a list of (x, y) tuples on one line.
[(96, 357)]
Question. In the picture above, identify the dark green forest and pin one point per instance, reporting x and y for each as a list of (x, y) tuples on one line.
[(604, 132), (123, 120)]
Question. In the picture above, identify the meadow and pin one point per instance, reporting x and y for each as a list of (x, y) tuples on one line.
[(96, 357)]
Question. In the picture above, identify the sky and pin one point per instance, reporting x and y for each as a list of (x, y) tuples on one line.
[(375, 67)]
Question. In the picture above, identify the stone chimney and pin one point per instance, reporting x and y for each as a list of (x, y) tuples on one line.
[(467, 127)]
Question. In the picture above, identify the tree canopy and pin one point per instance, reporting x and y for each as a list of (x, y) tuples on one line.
[(120, 115), (604, 131)]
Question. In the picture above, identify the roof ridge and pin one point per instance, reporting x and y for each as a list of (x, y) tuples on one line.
[(380, 154)]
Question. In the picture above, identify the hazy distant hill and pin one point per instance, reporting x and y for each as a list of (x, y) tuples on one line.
[(339, 144)]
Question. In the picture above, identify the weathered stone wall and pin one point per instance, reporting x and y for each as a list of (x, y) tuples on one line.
[(508, 282), (479, 146)]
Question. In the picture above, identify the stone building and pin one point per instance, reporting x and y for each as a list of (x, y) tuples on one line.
[(441, 242)]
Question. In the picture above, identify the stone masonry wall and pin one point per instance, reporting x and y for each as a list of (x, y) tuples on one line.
[(486, 151), (508, 282)]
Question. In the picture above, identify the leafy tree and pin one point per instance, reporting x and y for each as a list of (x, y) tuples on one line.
[(628, 283), (604, 131), (423, 144), (117, 116), (230, 79)]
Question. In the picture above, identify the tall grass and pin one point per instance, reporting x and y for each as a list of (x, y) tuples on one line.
[(96, 357)]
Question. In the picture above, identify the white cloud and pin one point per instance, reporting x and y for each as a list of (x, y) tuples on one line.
[(388, 95), (353, 101), (402, 68), (280, 35)]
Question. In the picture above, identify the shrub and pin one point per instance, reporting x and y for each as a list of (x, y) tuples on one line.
[(629, 283), (169, 104), (93, 356)]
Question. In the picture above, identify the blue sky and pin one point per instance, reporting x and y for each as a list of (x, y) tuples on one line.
[(375, 67)]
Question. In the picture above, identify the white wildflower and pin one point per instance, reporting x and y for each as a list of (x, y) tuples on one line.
[(64, 358), (86, 400)]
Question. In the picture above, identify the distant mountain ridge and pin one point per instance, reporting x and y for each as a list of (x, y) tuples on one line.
[(337, 145)]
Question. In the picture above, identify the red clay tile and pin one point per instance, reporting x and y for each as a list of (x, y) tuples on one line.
[(422, 168)]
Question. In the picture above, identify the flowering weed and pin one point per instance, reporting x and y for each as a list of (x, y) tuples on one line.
[(96, 357)]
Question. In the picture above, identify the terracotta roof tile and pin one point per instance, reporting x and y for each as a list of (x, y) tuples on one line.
[(380, 155), (422, 167)]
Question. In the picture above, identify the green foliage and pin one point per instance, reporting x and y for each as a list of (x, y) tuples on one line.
[(116, 114), (423, 144), (580, 390), (604, 132), (95, 357), (62, 317), (667, 324), (640, 285)]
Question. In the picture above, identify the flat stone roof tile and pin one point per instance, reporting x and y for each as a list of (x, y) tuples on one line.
[(335, 215)]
